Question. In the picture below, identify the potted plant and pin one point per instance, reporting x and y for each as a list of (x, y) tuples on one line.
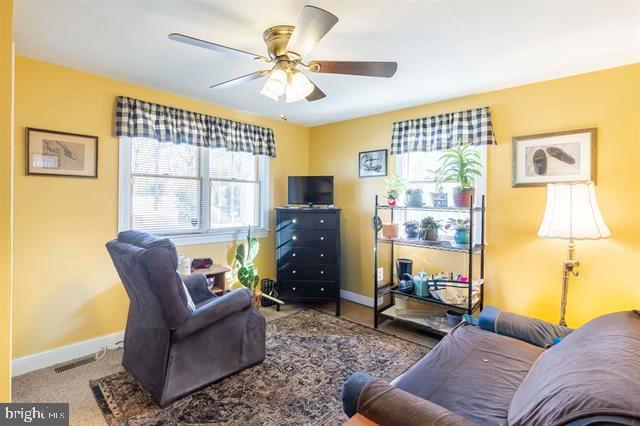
[(411, 229), (439, 198), (429, 228), (461, 164), (414, 197), (461, 227), (247, 273), (394, 186)]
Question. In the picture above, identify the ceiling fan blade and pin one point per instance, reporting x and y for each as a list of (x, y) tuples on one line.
[(312, 25), (212, 46), (316, 95), (371, 69), (243, 79)]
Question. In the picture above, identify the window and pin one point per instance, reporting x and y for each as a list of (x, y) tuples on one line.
[(414, 169), (191, 194)]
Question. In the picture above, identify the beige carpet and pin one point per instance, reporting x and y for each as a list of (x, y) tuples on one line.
[(73, 386)]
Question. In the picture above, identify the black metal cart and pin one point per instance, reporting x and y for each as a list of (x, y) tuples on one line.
[(474, 248)]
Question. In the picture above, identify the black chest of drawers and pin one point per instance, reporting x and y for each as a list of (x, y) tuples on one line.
[(308, 255)]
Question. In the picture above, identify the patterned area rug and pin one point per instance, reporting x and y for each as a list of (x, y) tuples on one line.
[(309, 356)]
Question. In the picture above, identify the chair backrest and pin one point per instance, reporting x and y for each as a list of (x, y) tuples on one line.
[(594, 371), (147, 267)]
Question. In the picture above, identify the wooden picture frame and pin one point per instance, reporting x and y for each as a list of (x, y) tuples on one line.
[(372, 163), (540, 159), (55, 153)]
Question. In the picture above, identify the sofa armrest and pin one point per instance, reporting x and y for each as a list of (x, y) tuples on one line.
[(213, 311), (387, 405), (537, 332), (198, 287)]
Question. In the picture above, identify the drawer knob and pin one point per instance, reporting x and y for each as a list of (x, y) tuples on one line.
[(294, 255), (321, 220), (294, 220), (321, 254), (294, 238), (321, 272), (293, 288), (322, 238), (321, 288), (294, 271)]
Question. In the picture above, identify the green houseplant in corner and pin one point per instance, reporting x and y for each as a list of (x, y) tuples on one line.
[(247, 273), (461, 164)]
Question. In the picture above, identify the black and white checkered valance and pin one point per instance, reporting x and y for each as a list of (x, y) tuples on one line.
[(140, 119), (443, 131)]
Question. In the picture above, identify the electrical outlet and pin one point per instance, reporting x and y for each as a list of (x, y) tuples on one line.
[(380, 274)]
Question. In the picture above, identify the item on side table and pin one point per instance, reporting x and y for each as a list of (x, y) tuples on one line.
[(429, 227), (201, 263), (390, 230), (184, 265), (572, 212), (415, 197), (453, 318), (461, 164), (411, 229)]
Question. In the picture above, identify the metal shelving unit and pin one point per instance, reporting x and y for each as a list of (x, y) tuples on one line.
[(473, 248)]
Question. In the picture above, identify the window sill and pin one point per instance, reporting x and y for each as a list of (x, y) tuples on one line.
[(217, 237)]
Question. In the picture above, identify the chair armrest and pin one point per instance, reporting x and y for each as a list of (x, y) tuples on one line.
[(387, 405), (351, 390), (213, 311), (537, 332), (198, 287)]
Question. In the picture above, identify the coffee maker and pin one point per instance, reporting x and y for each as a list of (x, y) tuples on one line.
[(404, 269)]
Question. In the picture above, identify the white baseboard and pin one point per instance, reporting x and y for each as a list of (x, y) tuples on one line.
[(45, 359), (358, 298)]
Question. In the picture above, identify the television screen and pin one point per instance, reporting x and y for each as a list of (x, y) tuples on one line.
[(310, 190)]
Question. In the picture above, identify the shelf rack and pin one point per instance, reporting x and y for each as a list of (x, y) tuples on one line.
[(473, 248)]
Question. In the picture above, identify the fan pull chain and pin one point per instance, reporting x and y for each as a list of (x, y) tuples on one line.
[(283, 115)]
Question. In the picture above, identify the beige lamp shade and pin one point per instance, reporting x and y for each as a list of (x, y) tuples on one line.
[(572, 212)]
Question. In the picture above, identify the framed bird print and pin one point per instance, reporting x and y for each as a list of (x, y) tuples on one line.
[(55, 153), (554, 157), (372, 163)]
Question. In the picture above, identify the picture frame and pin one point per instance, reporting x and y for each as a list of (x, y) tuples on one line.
[(55, 153), (372, 163), (568, 156)]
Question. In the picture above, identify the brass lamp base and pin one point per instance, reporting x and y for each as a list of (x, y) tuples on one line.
[(568, 269)]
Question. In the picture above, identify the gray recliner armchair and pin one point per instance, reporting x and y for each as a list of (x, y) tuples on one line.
[(180, 337)]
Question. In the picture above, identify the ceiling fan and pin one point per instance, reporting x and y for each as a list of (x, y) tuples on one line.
[(287, 46)]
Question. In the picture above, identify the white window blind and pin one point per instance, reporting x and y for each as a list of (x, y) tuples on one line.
[(184, 191)]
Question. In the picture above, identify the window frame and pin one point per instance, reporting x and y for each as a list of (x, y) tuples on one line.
[(205, 235)]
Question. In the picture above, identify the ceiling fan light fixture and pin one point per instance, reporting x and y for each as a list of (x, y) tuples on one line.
[(299, 88), (276, 84)]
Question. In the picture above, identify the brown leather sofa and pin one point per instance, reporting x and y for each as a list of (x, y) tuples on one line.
[(500, 372), (180, 337)]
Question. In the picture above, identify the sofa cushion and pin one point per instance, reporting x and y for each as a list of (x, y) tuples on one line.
[(472, 372), (593, 371)]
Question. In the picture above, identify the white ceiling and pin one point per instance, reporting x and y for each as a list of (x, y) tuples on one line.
[(444, 49)]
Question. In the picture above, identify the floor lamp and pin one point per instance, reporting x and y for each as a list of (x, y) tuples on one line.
[(572, 213)]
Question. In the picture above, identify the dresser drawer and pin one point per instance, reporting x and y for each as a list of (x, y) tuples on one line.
[(306, 289), (310, 238), (305, 220), (289, 253), (301, 271)]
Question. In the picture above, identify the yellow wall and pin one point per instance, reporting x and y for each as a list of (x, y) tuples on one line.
[(6, 96), (522, 271), (66, 289)]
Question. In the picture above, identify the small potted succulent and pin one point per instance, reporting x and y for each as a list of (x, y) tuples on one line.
[(411, 229), (394, 186), (439, 198), (461, 228), (429, 228), (461, 164)]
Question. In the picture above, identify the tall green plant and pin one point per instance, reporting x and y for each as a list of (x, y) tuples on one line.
[(461, 164), (245, 255)]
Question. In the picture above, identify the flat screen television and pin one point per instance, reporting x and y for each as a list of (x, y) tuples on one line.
[(311, 190)]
